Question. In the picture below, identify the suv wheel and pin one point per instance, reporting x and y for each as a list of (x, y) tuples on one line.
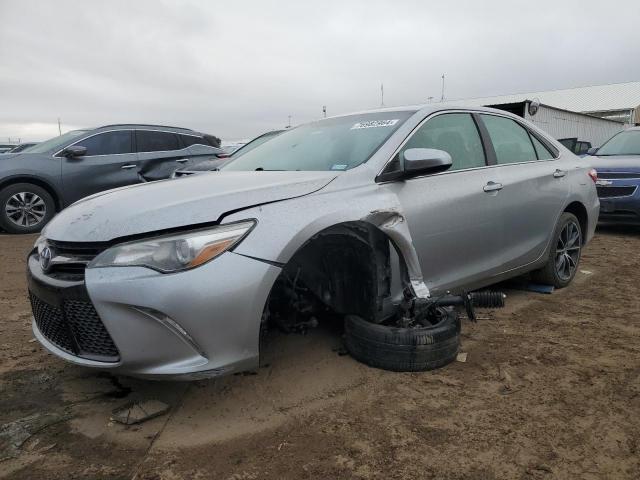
[(25, 208), (564, 256)]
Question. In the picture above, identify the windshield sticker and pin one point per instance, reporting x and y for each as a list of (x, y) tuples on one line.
[(338, 167), (375, 124)]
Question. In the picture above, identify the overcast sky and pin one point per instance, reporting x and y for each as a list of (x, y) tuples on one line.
[(238, 68)]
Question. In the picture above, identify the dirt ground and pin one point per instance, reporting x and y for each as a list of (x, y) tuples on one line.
[(550, 389)]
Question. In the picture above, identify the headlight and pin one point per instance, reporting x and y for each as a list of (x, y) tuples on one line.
[(41, 242), (172, 253)]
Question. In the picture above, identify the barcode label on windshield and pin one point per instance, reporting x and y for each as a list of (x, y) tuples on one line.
[(375, 124)]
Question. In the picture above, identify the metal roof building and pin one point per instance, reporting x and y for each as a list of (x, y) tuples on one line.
[(617, 101)]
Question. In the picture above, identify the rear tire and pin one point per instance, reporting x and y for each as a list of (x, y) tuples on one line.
[(564, 254), (404, 349), (25, 208)]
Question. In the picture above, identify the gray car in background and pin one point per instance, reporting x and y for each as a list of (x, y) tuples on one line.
[(372, 217), (215, 162), (45, 178)]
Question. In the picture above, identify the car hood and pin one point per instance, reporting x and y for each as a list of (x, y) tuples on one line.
[(205, 165), (615, 163), (169, 204)]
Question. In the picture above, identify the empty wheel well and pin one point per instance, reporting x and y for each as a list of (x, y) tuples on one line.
[(580, 212), (34, 181), (349, 268)]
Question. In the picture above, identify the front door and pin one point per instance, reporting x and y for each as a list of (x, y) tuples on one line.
[(110, 162), (452, 216)]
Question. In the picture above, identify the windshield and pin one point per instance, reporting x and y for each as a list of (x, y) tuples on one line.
[(333, 144), (56, 142), (624, 143), (247, 147)]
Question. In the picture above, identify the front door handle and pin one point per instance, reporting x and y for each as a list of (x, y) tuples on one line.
[(492, 187), (127, 167), (182, 160), (559, 173)]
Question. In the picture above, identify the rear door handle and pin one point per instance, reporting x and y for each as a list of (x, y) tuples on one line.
[(559, 173), (127, 167), (492, 187), (182, 160)]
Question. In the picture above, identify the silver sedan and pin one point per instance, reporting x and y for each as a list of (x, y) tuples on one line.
[(355, 215)]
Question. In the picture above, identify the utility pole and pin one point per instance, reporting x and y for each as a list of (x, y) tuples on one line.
[(442, 97), (324, 111), (59, 127), (381, 94), (430, 99), (289, 126)]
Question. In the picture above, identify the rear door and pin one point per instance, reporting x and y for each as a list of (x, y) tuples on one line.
[(534, 189), (160, 153), (455, 226), (110, 162)]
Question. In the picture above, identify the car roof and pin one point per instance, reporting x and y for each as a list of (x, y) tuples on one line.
[(428, 108), (146, 126)]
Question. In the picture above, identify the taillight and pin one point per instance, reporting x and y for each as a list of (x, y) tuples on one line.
[(593, 173)]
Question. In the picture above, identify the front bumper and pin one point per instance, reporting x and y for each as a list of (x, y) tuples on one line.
[(623, 209), (198, 323)]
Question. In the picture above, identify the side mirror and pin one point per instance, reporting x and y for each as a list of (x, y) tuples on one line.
[(592, 151), (425, 161), (74, 151)]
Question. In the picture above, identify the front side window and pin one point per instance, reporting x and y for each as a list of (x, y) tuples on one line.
[(55, 143), (511, 141), (108, 143), (623, 143), (456, 134), (154, 141), (339, 143)]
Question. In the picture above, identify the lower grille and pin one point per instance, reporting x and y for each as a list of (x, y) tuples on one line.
[(51, 324), (618, 175), (76, 329), (609, 192)]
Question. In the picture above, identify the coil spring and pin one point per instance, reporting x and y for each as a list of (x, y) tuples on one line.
[(487, 299)]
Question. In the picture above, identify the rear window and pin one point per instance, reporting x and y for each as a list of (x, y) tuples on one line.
[(511, 141), (155, 141), (542, 151)]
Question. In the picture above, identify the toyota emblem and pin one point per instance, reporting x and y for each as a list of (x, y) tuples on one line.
[(45, 258)]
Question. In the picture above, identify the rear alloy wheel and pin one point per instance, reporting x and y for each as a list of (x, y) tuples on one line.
[(564, 256), (26, 208)]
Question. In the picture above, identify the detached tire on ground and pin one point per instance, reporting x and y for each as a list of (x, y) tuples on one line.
[(25, 208), (403, 349)]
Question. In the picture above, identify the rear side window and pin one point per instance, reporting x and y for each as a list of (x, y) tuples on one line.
[(188, 140), (542, 151), (108, 143), (456, 134), (511, 141), (152, 141)]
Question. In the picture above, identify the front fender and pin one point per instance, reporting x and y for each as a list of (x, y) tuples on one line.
[(284, 227)]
